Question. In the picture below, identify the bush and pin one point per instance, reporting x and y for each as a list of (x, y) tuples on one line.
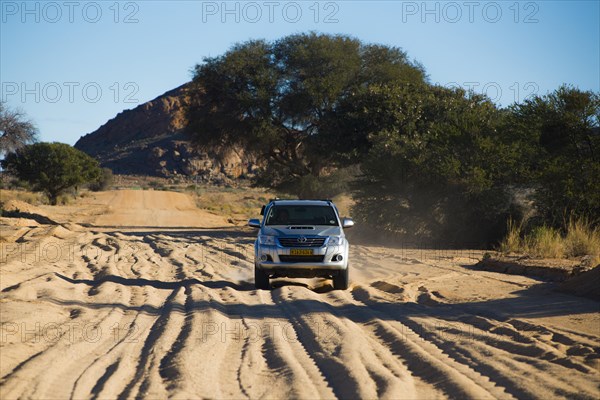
[(65, 199), (323, 187), (19, 184), (104, 182), (155, 185)]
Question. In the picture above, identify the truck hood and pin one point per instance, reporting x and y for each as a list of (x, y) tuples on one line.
[(282, 230)]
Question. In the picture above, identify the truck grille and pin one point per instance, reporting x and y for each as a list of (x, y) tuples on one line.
[(299, 259), (298, 242)]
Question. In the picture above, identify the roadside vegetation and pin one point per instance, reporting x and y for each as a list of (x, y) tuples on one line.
[(428, 164), (34, 198), (239, 204), (579, 238)]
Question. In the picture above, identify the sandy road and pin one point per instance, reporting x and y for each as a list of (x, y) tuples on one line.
[(172, 312)]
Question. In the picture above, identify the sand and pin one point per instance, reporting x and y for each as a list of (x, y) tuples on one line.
[(141, 295)]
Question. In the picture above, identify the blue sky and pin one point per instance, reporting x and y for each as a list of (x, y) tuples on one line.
[(71, 66)]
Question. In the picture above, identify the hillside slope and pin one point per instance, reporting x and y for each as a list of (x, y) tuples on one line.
[(149, 140)]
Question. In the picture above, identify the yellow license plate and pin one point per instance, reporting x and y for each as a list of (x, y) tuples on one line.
[(301, 252)]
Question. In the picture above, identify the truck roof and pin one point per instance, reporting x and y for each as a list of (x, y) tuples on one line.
[(302, 202)]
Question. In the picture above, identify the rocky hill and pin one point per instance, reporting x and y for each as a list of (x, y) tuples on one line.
[(149, 140)]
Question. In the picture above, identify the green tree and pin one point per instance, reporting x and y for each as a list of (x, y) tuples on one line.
[(435, 169), (559, 138), (52, 168), (15, 130), (281, 100)]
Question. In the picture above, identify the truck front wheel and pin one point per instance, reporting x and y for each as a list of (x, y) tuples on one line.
[(340, 281), (261, 279)]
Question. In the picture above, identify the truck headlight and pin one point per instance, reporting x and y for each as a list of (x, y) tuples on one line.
[(335, 241), (266, 240)]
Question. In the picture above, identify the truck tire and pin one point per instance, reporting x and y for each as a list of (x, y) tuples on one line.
[(261, 280), (340, 281)]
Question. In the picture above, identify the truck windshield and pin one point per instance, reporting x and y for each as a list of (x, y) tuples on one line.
[(301, 215)]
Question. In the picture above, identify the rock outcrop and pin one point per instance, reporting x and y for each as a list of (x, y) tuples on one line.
[(150, 140)]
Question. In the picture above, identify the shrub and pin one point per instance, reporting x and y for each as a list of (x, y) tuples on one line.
[(322, 187), (65, 199), (156, 185), (104, 182)]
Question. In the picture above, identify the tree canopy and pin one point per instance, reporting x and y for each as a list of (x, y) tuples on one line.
[(52, 168), (432, 170), (559, 134), (282, 100)]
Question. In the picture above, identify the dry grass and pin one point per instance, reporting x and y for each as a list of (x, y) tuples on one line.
[(344, 203), (65, 199), (512, 241), (245, 203), (581, 239), (545, 242), (35, 199), (239, 204)]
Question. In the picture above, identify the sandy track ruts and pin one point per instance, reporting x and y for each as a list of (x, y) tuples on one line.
[(173, 313)]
